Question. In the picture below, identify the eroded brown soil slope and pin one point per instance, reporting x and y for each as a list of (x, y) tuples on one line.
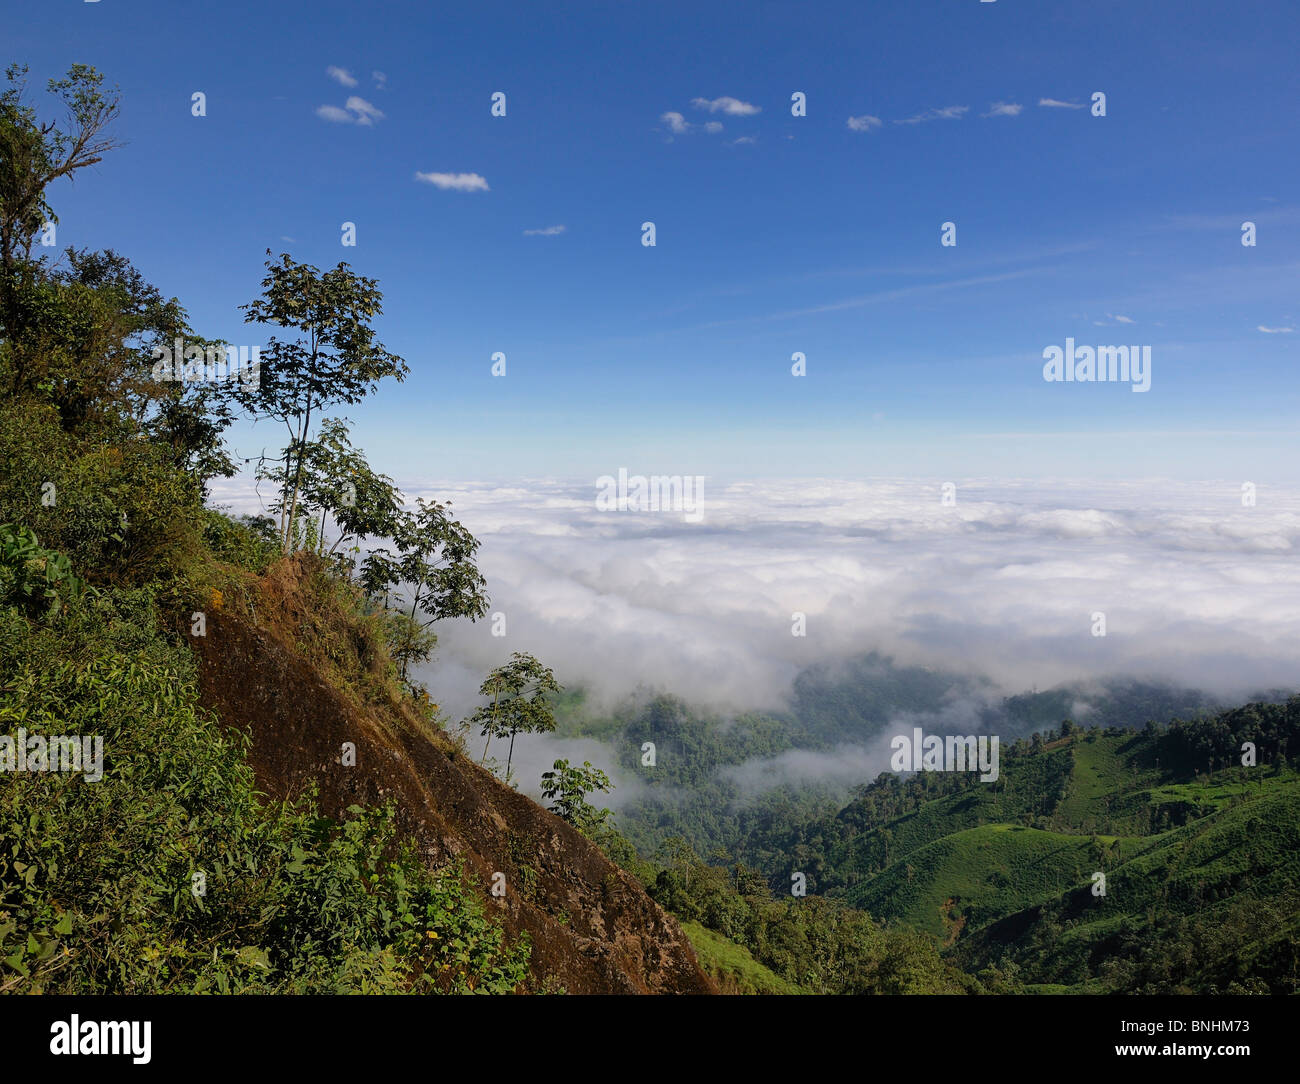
[(593, 928)]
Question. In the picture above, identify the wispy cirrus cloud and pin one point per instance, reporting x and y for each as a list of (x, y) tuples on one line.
[(951, 112), (548, 231), (1055, 103), (879, 297), (1004, 109), (341, 75), (454, 182), (1279, 216), (1276, 330)]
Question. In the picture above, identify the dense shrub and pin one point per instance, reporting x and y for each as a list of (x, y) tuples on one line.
[(97, 878)]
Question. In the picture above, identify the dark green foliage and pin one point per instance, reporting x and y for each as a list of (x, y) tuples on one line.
[(718, 780), (333, 358), (566, 788), (96, 877), (435, 563), (35, 579), (522, 691), (1004, 871), (1000, 874), (247, 542), (167, 872), (334, 481), (819, 945)]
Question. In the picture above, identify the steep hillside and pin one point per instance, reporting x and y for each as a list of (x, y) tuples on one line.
[(592, 927), (1200, 855), (974, 876), (732, 966)]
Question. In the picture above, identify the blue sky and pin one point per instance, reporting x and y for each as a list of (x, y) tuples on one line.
[(775, 234)]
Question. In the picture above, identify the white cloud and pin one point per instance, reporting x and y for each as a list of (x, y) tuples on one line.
[(1004, 109), (677, 124), (1195, 588), (454, 182), (847, 765), (1055, 104), (356, 111), (733, 107), (1120, 319), (536, 753), (549, 231), (864, 123), (341, 75), (381, 80), (743, 139), (951, 112), (334, 113), (1276, 330), (365, 112)]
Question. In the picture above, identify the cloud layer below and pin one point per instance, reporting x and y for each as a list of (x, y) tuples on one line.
[(1195, 587)]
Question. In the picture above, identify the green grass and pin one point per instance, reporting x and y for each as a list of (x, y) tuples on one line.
[(732, 967), (1007, 868), (978, 875), (1101, 772), (1245, 847)]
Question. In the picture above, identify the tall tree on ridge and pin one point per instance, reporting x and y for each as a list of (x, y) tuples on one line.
[(335, 358)]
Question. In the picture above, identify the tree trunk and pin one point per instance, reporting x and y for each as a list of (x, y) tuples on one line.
[(491, 726), (297, 472), (410, 636)]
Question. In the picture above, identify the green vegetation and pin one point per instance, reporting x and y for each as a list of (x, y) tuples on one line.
[(719, 782), (98, 889), (333, 359), (170, 872), (566, 788), (732, 967), (994, 882), (521, 692), (434, 562), (817, 944), (1003, 874)]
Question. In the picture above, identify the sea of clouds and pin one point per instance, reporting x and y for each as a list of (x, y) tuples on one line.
[(1196, 588)]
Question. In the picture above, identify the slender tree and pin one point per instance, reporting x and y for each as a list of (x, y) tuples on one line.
[(522, 691), (334, 357), (337, 484), (432, 558)]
